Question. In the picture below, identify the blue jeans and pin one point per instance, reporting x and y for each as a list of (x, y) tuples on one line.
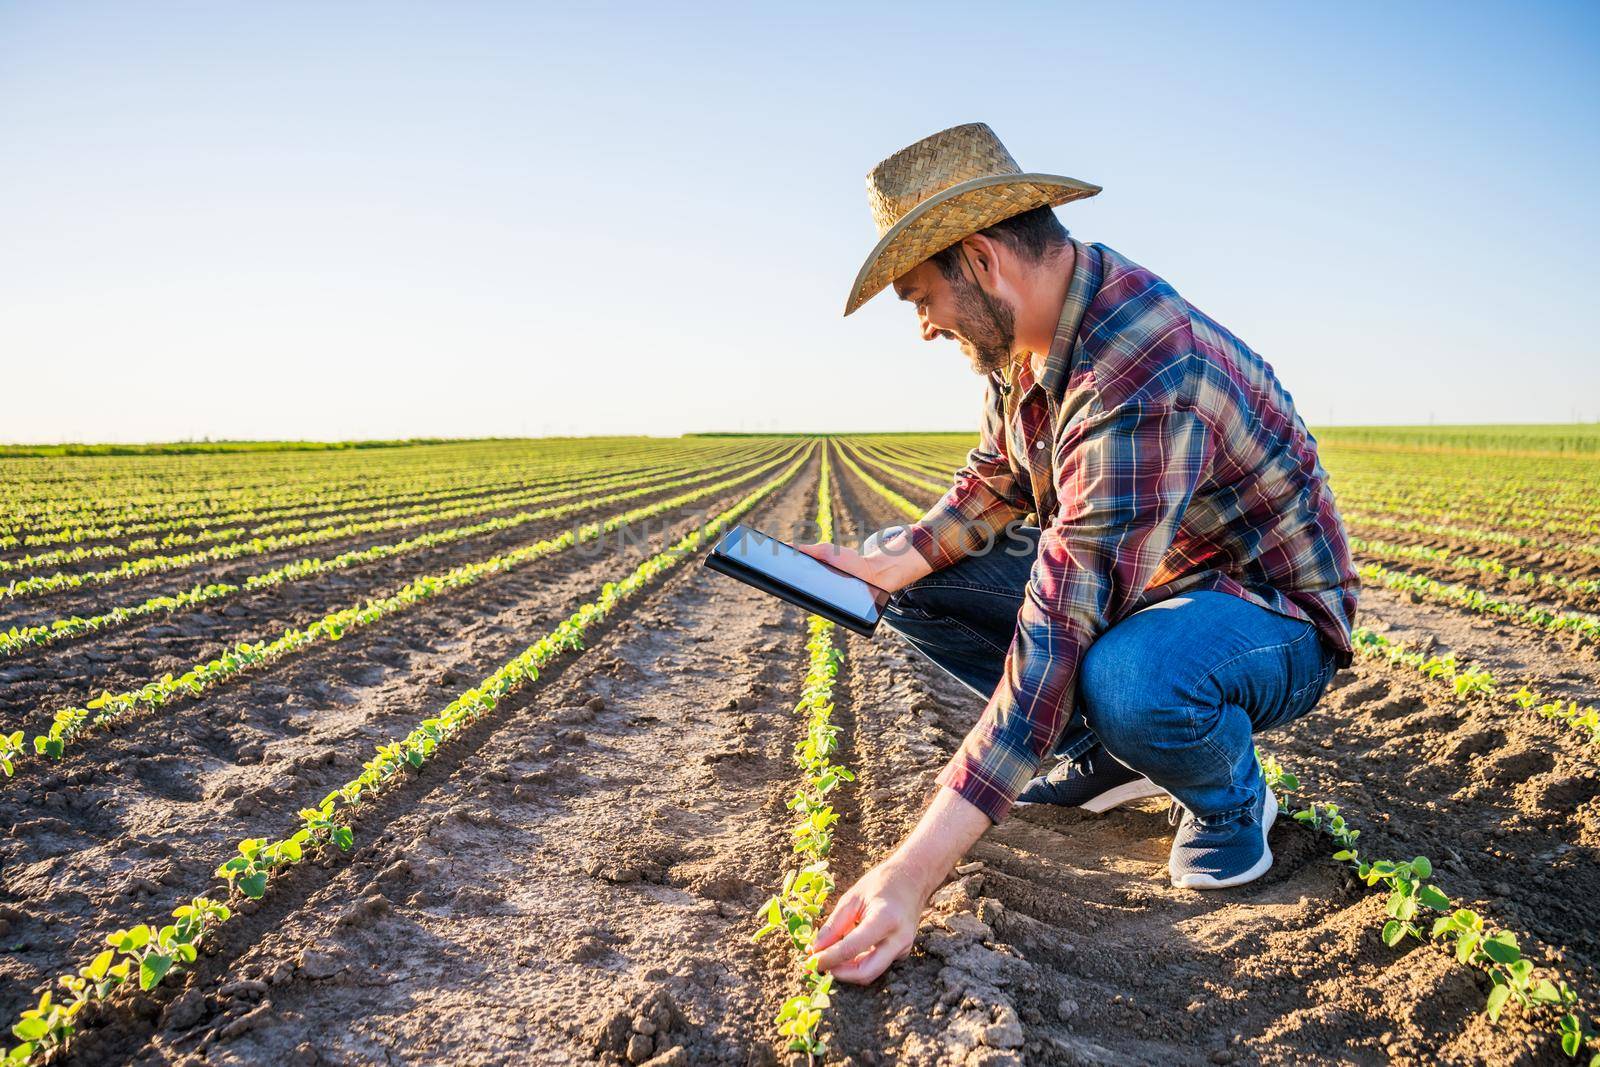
[(1175, 691)]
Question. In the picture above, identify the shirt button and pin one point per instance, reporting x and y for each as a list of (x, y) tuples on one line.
[(1038, 445)]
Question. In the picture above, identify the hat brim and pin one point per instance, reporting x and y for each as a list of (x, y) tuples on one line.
[(952, 215)]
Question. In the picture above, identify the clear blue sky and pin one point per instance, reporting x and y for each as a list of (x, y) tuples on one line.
[(383, 219)]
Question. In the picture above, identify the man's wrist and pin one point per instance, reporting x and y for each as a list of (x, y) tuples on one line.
[(948, 828), (898, 564)]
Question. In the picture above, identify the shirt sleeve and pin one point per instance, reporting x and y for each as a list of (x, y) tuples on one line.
[(1125, 477), (986, 497)]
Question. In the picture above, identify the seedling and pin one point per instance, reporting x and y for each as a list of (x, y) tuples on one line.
[(247, 873), (797, 909), (1495, 952)]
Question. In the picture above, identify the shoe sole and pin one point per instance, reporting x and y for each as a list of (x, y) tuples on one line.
[(1127, 793), (1269, 815)]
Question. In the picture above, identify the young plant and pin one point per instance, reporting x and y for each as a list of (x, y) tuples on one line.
[(156, 952), (247, 873), (1495, 952), (797, 909)]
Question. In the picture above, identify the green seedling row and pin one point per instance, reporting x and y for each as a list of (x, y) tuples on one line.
[(1483, 513), (900, 503), (72, 723), (320, 499), (141, 955), (797, 909), (1583, 626), (325, 828), (255, 546), (1524, 520), (875, 460), (912, 461), (1482, 564), (31, 501), (342, 514), (20, 637), (1461, 931), (1470, 680), (1469, 533)]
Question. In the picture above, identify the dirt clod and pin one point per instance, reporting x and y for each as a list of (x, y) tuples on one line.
[(186, 1011)]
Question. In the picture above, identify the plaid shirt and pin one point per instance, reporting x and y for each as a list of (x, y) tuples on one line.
[(1160, 455)]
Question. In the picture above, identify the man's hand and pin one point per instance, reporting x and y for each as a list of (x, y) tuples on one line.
[(875, 922), (891, 566), (872, 925)]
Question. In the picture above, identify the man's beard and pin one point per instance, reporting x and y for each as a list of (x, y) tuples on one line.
[(985, 338)]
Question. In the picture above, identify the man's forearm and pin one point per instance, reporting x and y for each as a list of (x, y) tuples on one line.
[(948, 828)]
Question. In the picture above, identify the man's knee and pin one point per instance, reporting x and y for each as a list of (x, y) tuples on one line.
[(1125, 691)]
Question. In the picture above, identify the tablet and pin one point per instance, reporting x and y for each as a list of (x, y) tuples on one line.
[(776, 567)]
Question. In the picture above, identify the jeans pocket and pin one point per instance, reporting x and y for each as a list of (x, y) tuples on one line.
[(1305, 698), (1306, 674)]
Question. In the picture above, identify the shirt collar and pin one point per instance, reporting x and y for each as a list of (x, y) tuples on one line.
[(1080, 291)]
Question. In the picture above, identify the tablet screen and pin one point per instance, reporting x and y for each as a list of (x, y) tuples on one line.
[(793, 568)]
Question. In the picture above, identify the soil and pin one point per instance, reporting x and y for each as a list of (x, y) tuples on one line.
[(574, 882)]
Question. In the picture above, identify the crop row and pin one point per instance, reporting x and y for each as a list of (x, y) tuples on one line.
[(1461, 931), (327, 827), (910, 476), (324, 512), (797, 909), (17, 638), (1469, 533), (1575, 519), (71, 723), (909, 457), (1444, 557), (220, 534), (900, 503), (262, 545), (97, 481), (122, 498), (1578, 624), (1471, 680)]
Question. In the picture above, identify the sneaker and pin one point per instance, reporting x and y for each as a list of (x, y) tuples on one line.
[(1102, 785), (1215, 855)]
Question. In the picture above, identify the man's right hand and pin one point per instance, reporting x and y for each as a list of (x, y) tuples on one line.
[(891, 566)]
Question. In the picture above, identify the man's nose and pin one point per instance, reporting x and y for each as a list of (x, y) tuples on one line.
[(928, 332)]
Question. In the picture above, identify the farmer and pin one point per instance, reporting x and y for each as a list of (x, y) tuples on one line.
[(1140, 565)]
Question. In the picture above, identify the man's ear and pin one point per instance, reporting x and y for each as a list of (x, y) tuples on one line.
[(983, 254)]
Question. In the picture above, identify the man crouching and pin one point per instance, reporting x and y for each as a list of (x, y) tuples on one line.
[(1141, 564)]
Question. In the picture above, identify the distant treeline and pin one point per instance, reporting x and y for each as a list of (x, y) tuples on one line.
[(845, 433), (178, 448), (1531, 437), (1576, 437)]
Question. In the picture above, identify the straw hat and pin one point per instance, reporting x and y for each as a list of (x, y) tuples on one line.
[(941, 190)]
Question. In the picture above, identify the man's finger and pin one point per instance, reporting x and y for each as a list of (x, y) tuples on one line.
[(845, 915), (867, 933), (868, 967), (863, 969)]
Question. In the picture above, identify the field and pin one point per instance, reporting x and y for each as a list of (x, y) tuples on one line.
[(453, 752)]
